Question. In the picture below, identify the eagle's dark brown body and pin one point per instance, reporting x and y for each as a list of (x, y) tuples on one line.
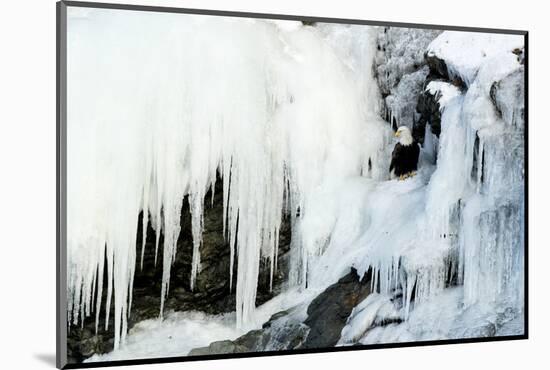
[(404, 158)]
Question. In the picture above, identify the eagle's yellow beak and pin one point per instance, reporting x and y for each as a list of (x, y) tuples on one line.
[(396, 134)]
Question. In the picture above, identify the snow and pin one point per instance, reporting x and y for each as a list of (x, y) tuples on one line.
[(450, 46), (444, 91), (176, 335), (288, 116)]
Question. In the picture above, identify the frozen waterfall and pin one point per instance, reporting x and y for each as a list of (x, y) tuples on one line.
[(161, 105)]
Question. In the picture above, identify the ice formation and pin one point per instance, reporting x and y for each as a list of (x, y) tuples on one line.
[(150, 122), (288, 116), (365, 314), (468, 227)]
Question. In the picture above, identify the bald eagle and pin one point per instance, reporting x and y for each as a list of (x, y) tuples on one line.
[(404, 158)]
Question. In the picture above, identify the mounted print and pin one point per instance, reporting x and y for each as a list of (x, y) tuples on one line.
[(237, 184)]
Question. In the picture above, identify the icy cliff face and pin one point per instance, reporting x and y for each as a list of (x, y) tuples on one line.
[(150, 121), (469, 220), (288, 116), (400, 69)]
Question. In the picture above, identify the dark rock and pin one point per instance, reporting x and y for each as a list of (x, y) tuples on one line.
[(429, 110), (521, 55), (309, 23), (438, 67), (83, 343), (440, 71), (427, 105), (221, 347), (281, 332), (329, 311)]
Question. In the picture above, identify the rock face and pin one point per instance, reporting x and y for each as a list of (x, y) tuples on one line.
[(401, 69), (507, 96), (211, 294), (281, 332), (327, 316), (82, 342), (427, 106), (429, 111), (438, 68), (328, 312), (219, 347)]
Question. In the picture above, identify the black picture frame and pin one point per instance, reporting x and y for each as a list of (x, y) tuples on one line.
[(61, 186)]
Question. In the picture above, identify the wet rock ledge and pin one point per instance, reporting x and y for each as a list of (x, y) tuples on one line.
[(326, 317)]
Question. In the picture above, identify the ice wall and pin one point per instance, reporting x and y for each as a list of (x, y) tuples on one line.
[(287, 116), (460, 223), (160, 103)]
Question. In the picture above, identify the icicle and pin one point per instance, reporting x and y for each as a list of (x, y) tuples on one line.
[(144, 224), (195, 202), (110, 258), (212, 190), (145, 206), (101, 258), (158, 230)]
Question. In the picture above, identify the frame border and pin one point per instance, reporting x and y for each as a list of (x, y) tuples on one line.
[(61, 183)]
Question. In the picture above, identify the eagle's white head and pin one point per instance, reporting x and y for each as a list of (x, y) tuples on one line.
[(404, 135)]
